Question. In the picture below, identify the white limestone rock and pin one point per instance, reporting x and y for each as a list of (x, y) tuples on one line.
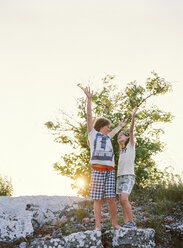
[(14, 227), (88, 239), (134, 237), (17, 217), (84, 239), (177, 229)]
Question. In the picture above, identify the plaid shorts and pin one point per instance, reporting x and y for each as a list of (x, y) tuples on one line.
[(125, 184), (102, 185)]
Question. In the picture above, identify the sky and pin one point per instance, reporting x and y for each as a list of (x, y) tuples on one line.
[(48, 46)]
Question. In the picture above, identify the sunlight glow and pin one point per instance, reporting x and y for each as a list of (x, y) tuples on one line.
[(80, 183)]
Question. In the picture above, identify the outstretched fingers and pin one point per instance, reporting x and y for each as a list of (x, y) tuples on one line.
[(123, 123), (88, 92)]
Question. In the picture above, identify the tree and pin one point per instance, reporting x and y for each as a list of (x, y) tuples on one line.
[(6, 187), (115, 105)]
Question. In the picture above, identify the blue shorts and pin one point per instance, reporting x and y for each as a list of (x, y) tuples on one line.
[(102, 185), (125, 184)]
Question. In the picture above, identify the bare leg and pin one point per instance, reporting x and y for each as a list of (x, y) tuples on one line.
[(97, 213), (126, 208), (113, 212)]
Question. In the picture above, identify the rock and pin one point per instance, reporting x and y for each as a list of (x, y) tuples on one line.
[(167, 227), (177, 230), (23, 245), (41, 216), (14, 227), (21, 216), (59, 222), (57, 234), (52, 243), (93, 220), (180, 230), (47, 237), (85, 220), (131, 237), (168, 219), (84, 239), (124, 237), (72, 219), (80, 240)]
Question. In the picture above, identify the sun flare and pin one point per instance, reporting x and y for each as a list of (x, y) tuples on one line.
[(80, 183)]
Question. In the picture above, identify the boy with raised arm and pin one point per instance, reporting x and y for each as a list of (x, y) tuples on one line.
[(102, 183)]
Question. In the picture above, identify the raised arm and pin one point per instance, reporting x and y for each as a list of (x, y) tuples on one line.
[(89, 95), (132, 142), (117, 129)]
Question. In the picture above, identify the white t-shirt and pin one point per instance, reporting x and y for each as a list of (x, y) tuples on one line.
[(101, 149), (126, 160)]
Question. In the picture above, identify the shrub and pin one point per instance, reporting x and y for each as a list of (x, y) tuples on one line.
[(6, 188)]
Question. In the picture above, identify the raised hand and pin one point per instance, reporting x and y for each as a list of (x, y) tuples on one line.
[(88, 93), (134, 111), (122, 123)]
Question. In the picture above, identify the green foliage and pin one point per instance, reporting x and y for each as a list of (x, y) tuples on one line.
[(160, 201), (88, 204), (115, 105), (6, 187), (68, 228), (80, 213), (170, 190)]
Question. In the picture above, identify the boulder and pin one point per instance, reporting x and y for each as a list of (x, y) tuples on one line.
[(130, 237), (176, 230), (14, 227), (21, 216), (84, 239), (88, 239), (123, 238)]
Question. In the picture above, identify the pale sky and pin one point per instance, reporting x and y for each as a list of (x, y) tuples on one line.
[(48, 46)]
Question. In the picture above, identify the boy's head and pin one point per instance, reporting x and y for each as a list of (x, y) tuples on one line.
[(102, 125), (123, 139)]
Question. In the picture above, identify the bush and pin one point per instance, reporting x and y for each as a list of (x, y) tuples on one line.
[(170, 189), (159, 201), (80, 214), (6, 188)]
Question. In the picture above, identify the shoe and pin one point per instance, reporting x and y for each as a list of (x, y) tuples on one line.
[(129, 224)]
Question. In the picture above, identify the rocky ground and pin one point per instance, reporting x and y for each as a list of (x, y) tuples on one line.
[(169, 228), (60, 222)]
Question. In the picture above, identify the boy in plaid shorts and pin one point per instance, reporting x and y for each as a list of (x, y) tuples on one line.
[(102, 183)]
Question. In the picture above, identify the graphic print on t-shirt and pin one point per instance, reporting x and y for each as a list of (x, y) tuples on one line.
[(124, 150), (102, 148)]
